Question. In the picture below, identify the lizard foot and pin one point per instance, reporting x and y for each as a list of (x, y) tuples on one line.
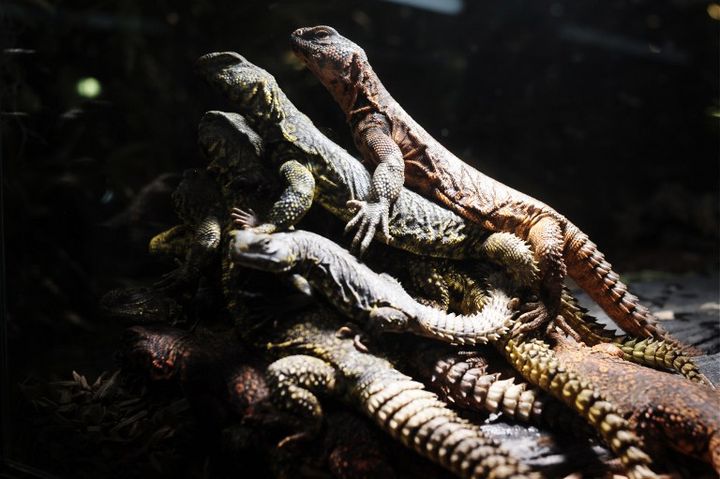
[(349, 331), (250, 220), (294, 439), (368, 218), (532, 316), (245, 219)]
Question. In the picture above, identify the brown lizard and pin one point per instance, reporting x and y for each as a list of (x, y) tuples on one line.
[(404, 152), (663, 409)]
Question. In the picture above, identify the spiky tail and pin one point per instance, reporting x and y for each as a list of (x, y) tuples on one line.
[(466, 382), (415, 416), (591, 271), (469, 330), (651, 352), (540, 366)]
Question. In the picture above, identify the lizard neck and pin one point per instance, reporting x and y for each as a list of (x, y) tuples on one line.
[(362, 92), (334, 272)]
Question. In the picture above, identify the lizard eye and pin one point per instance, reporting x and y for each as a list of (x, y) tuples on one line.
[(320, 34)]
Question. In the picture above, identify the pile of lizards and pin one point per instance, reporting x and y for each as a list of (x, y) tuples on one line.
[(457, 311)]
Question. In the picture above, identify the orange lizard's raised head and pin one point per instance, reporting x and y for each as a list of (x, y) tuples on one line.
[(337, 62)]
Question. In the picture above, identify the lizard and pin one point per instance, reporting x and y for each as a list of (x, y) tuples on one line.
[(521, 355), (317, 169), (417, 225), (539, 367), (393, 400), (665, 411), (362, 294), (662, 408), (203, 362), (404, 153), (462, 378), (323, 362), (238, 174), (196, 201), (353, 288), (475, 380), (234, 151), (451, 285), (216, 371)]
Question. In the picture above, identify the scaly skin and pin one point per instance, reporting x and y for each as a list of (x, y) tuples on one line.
[(210, 367), (214, 361), (398, 404), (656, 353), (196, 241), (438, 282), (662, 408), (235, 152), (405, 153), (355, 289), (317, 169), (197, 202), (538, 364), (472, 380), (139, 306)]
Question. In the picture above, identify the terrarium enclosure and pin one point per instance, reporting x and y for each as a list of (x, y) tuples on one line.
[(606, 111)]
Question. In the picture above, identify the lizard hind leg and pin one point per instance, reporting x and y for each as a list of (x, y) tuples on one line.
[(293, 382), (545, 238)]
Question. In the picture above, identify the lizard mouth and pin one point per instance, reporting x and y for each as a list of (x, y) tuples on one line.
[(298, 45), (261, 262)]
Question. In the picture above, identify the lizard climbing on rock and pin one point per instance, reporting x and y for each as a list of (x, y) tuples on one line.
[(406, 154)]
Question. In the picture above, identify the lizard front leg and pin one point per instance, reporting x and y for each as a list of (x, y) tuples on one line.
[(387, 182), (295, 200), (293, 382)]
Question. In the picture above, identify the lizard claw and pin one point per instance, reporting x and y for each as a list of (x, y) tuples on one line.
[(250, 220), (350, 331), (244, 219), (359, 344), (533, 315), (369, 219), (293, 439)]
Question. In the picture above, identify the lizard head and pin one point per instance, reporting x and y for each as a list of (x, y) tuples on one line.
[(336, 61), (250, 87), (158, 350), (261, 251)]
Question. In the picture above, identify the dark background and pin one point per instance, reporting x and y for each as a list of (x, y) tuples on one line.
[(606, 110)]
